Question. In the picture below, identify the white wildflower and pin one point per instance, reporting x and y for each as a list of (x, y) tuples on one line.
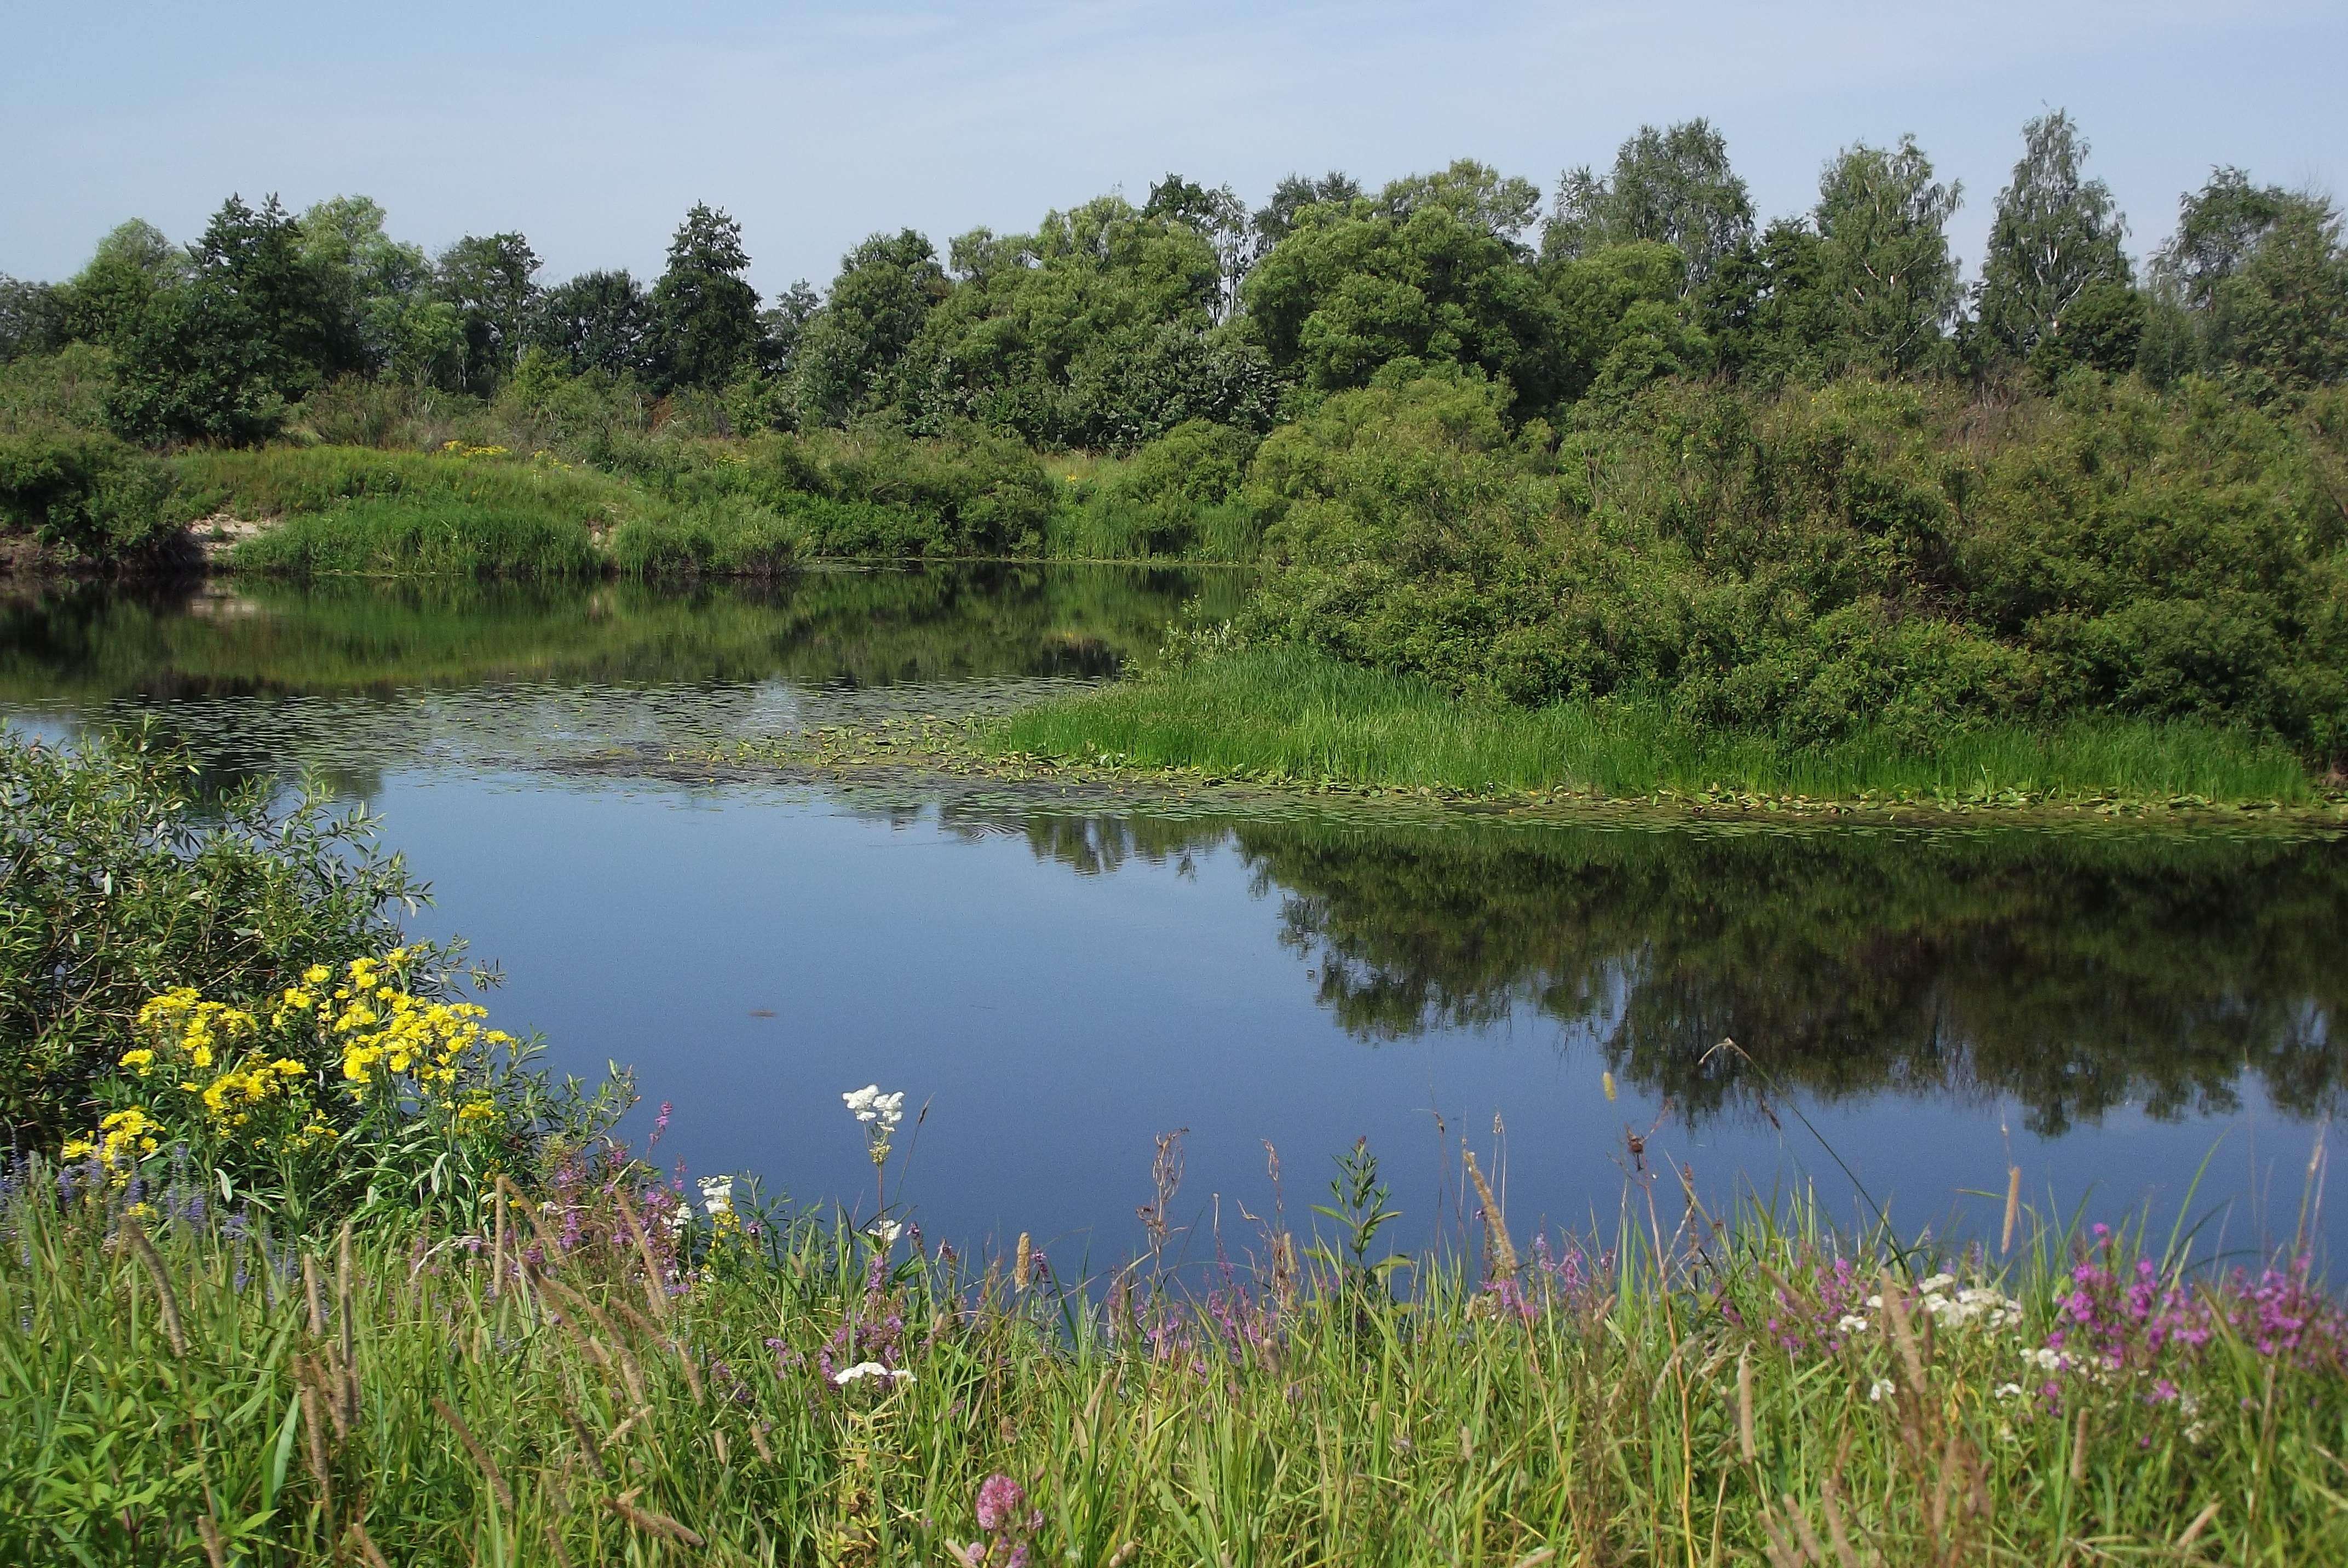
[(884, 1232), (1936, 1282), (1880, 1387), (874, 1109), (717, 1196), (1851, 1323), (2044, 1359), (2009, 1390), (863, 1370)]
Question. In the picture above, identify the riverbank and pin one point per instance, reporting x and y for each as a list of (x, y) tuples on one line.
[(738, 508), (1293, 718), (611, 1372)]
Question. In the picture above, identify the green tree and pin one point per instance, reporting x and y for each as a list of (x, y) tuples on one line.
[(1626, 323), (706, 313), (107, 301), (1354, 288), (1765, 310), (2055, 263), (2253, 284), (597, 321), (1475, 194), (380, 285), (490, 282), (1673, 185), (1883, 255), (1218, 216), (1273, 220), (886, 288), (255, 327), (1097, 330), (32, 318)]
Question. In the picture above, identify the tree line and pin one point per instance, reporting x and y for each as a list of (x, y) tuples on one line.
[(1110, 323)]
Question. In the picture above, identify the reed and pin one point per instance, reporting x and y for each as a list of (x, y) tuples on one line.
[(1768, 1388), (1288, 714)]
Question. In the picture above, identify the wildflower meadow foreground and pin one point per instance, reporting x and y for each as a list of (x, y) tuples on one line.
[(424, 1308)]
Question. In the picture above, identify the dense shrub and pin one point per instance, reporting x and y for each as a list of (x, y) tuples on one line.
[(86, 496), (1817, 562), (121, 877)]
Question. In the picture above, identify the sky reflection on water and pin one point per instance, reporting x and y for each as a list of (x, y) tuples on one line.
[(1059, 988)]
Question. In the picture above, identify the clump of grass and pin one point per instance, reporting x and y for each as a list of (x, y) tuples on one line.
[(1285, 713), (411, 536), (610, 1373), (281, 481), (725, 538)]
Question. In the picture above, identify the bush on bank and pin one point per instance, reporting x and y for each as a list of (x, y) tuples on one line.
[(1813, 564), (122, 875)]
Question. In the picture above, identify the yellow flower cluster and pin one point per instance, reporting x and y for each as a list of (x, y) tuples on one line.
[(199, 1034), (460, 449), (182, 1017), (119, 1141), (386, 1033)]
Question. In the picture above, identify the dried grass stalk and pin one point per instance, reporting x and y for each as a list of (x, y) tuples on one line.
[(1499, 1253), (653, 1291), (214, 1547), (167, 1300), (481, 1455), (366, 1547), (1748, 1448), (624, 1505)]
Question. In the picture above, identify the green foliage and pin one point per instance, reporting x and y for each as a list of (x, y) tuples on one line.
[(1671, 186), (2253, 286), (86, 496), (406, 536), (2054, 250), (1816, 565), (597, 321), (254, 328), (651, 1382), (124, 877), (49, 393), (873, 491), (705, 316), (1884, 258), (488, 282), (1624, 326), (1350, 290), (729, 538), (107, 301), (1096, 330), (885, 291), (1289, 714), (384, 291), (31, 319)]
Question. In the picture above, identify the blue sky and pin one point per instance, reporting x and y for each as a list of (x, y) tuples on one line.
[(591, 127)]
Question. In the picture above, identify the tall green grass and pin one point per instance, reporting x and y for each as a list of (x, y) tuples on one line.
[(1289, 714), (560, 1389), (413, 536)]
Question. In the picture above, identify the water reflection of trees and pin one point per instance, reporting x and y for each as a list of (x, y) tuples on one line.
[(2075, 971), (859, 628)]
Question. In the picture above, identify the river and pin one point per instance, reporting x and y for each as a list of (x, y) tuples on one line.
[(1055, 984)]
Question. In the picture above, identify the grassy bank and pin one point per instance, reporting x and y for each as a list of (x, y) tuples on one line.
[(1286, 714), (622, 1376)]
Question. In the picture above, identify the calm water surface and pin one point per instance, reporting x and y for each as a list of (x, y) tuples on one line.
[(2103, 1008)]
